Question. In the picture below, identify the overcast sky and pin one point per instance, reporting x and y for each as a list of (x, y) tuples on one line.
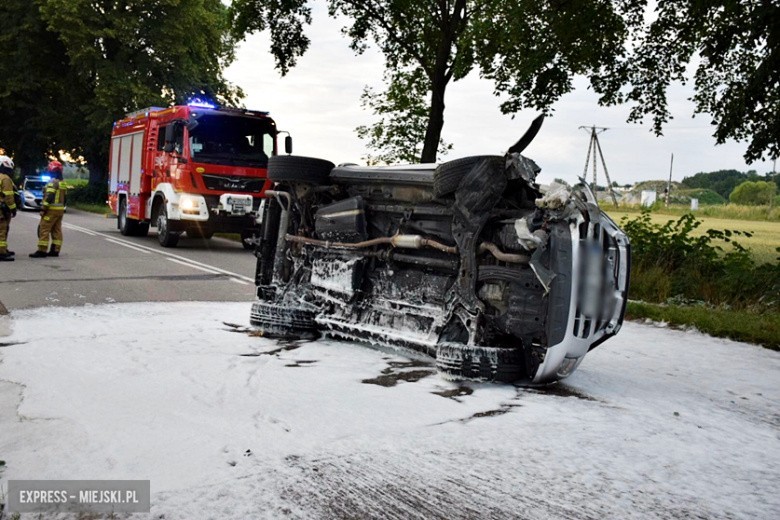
[(318, 102)]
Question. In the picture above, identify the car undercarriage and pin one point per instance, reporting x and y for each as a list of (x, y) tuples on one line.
[(468, 262)]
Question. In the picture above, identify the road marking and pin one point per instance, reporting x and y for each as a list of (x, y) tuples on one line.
[(207, 269), (212, 271), (182, 259), (127, 245)]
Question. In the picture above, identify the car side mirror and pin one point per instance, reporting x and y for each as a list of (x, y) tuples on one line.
[(288, 145)]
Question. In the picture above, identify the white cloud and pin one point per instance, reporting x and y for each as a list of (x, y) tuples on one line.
[(319, 103)]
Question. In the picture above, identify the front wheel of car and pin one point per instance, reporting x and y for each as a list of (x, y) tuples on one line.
[(165, 236)]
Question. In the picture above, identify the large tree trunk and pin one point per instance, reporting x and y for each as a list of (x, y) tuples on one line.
[(435, 122), (452, 26)]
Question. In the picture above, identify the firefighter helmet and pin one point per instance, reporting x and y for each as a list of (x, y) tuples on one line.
[(55, 166), (6, 162)]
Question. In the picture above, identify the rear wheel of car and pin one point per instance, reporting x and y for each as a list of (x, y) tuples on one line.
[(165, 236), (293, 168), (277, 321), (447, 176), (127, 226)]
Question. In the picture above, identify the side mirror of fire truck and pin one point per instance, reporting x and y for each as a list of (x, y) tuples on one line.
[(288, 144)]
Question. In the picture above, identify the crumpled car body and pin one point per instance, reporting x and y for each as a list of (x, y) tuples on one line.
[(467, 262)]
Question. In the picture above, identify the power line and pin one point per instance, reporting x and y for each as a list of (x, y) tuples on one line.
[(595, 146)]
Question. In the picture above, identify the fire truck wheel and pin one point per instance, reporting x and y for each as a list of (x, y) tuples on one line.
[(127, 226), (295, 168), (165, 236), (447, 176)]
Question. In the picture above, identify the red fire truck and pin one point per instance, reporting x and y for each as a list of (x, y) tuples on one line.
[(194, 169)]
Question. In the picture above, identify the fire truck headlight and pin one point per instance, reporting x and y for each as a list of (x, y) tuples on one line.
[(191, 204)]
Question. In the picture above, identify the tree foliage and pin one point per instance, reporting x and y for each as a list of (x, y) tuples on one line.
[(403, 117), (722, 181), (95, 60), (754, 193), (735, 48), (531, 49)]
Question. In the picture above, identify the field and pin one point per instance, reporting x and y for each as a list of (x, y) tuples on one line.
[(763, 242)]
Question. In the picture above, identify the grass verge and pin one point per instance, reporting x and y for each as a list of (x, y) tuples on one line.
[(742, 325), (92, 207)]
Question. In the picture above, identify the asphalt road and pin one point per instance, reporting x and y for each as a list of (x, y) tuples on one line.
[(98, 265)]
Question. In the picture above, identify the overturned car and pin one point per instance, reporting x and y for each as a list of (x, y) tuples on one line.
[(468, 262)]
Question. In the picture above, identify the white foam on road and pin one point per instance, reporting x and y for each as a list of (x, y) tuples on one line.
[(655, 423)]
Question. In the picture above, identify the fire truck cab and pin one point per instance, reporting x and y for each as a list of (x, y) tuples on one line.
[(194, 169)]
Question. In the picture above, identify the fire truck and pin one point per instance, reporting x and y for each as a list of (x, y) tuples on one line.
[(195, 169)]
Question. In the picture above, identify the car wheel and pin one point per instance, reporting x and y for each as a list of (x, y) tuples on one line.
[(447, 176), (165, 236), (277, 321), (248, 235), (293, 168), (128, 227)]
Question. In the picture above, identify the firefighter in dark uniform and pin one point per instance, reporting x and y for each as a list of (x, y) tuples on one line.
[(53, 208), (7, 206)]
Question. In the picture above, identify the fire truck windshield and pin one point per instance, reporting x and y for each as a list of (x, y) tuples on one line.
[(232, 140)]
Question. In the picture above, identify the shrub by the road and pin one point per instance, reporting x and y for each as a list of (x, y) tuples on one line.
[(705, 280), (87, 192), (670, 261)]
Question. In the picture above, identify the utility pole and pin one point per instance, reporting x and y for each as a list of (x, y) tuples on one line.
[(669, 184), (595, 146)]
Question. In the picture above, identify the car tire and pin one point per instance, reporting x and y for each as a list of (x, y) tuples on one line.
[(293, 168), (277, 321), (127, 226), (165, 236), (248, 234), (447, 176), (460, 361)]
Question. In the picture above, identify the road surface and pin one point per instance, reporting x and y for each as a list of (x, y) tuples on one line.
[(98, 265)]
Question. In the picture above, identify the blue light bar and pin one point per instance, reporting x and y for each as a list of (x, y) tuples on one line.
[(200, 103), (45, 177)]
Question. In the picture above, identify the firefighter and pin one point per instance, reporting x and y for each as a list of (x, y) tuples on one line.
[(7, 206), (51, 214)]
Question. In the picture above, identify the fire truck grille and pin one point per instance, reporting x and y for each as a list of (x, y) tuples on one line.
[(234, 184)]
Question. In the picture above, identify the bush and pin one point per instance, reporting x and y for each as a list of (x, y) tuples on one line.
[(90, 193), (668, 261), (756, 193)]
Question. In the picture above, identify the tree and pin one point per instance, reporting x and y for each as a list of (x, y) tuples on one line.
[(531, 50), (31, 60), (99, 59), (752, 193), (735, 47), (404, 116), (721, 181)]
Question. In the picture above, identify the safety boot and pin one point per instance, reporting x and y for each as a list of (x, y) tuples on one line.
[(6, 257), (39, 254), (53, 252)]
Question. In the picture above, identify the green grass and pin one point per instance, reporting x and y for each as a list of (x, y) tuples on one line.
[(762, 328), (763, 243), (720, 211)]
